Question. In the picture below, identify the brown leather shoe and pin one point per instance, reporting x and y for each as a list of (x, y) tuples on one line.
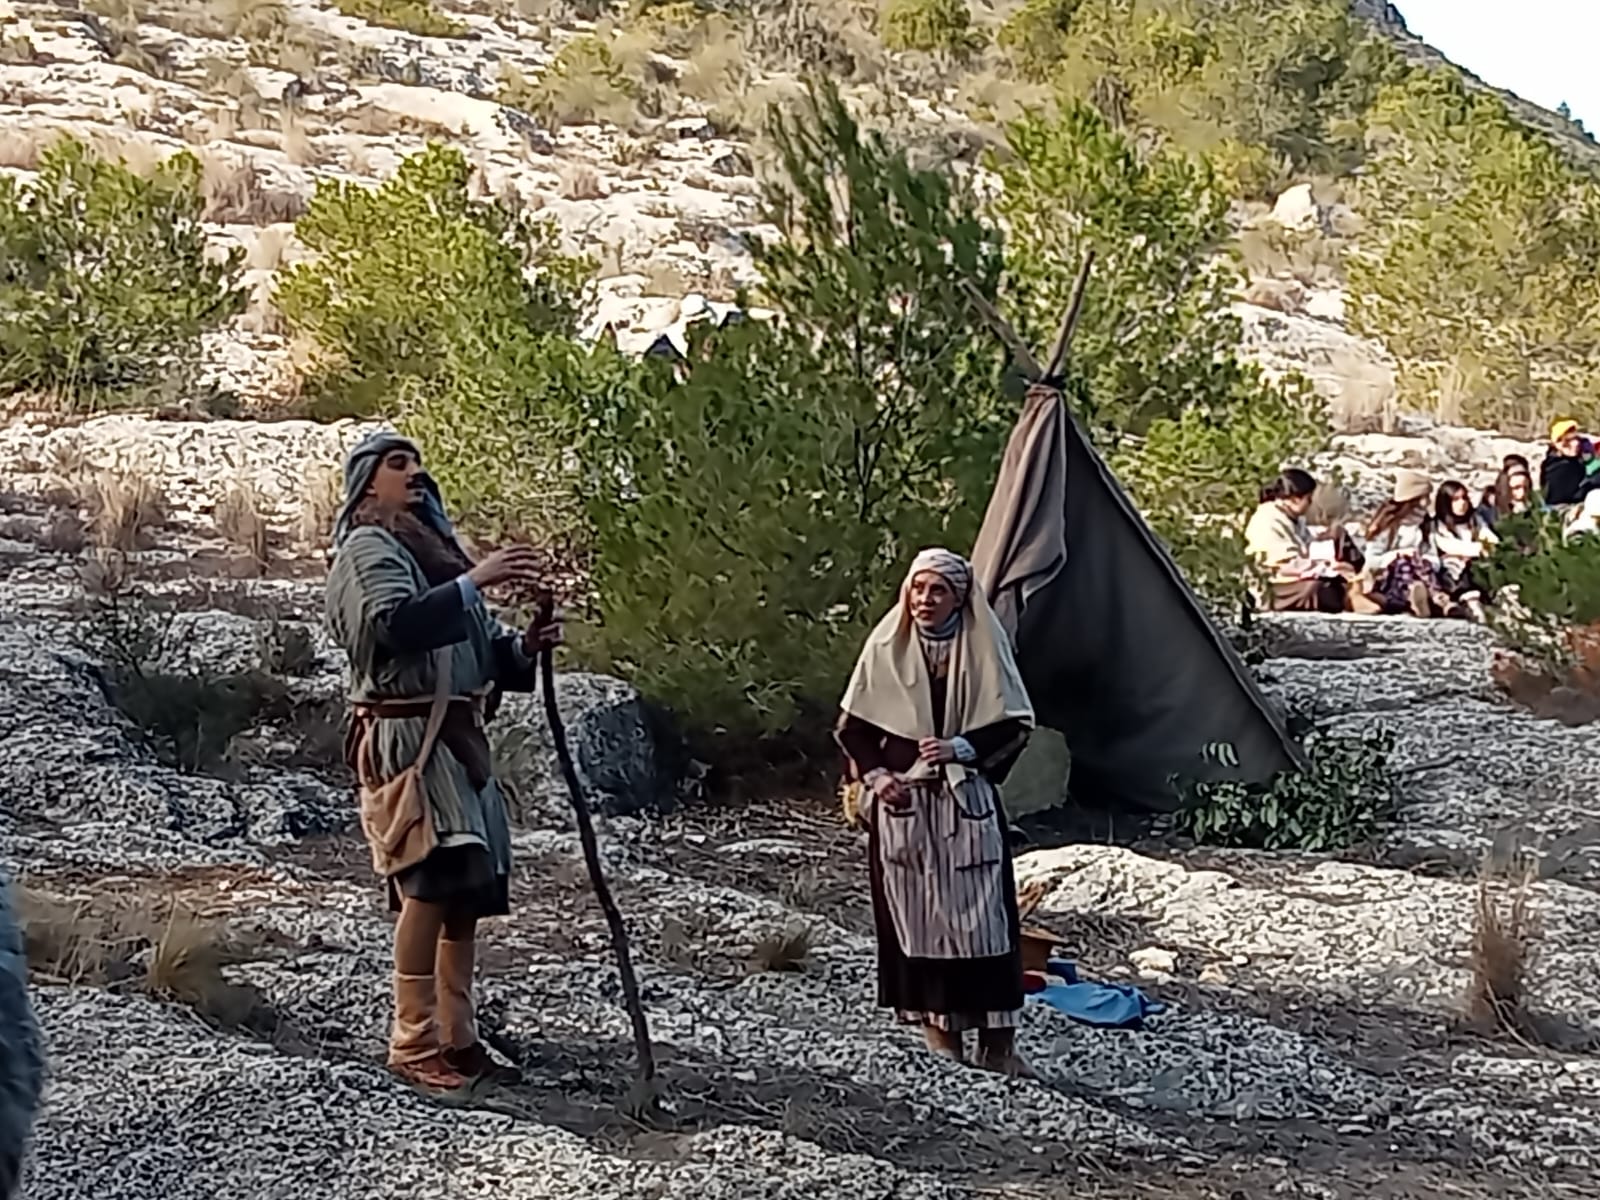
[(431, 1074), (475, 1062)]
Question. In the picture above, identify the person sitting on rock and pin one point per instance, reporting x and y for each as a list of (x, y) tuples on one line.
[(1570, 470), (1280, 543), (405, 603), (933, 720), (1400, 552), (1462, 538), (1513, 493)]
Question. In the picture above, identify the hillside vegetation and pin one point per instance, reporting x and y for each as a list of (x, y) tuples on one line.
[(744, 517)]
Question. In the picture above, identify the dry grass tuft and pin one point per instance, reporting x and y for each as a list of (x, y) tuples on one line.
[(149, 944), (666, 280), (1504, 926), (20, 148), (241, 521), (788, 949), (236, 194), (321, 495), (124, 511), (105, 573), (580, 181)]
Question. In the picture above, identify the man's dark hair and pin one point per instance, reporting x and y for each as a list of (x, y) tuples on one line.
[(1291, 485)]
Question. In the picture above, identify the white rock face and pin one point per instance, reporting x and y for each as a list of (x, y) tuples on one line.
[(195, 462)]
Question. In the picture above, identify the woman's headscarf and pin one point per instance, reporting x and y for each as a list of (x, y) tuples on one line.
[(891, 686), (361, 465)]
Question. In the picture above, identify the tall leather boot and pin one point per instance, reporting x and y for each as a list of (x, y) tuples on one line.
[(454, 964), (415, 1054)]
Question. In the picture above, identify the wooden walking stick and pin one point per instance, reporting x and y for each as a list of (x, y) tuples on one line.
[(642, 1096)]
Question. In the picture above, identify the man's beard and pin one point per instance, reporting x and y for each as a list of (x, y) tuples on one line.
[(439, 557)]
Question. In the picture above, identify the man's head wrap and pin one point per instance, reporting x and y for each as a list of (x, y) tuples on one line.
[(362, 463)]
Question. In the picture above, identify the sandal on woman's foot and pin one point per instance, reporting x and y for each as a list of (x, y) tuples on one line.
[(475, 1062), (431, 1074)]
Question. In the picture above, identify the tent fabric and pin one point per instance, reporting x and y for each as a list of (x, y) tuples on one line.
[(1116, 650)]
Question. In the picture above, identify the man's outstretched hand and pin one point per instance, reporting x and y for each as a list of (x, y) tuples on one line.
[(518, 565)]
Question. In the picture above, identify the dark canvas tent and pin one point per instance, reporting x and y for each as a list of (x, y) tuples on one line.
[(1117, 651)]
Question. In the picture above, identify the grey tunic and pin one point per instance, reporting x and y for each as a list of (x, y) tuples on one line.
[(373, 576)]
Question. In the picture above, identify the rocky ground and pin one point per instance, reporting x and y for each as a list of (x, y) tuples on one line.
[(211, 950)]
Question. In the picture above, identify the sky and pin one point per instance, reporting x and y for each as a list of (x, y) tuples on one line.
[(1543, 50)]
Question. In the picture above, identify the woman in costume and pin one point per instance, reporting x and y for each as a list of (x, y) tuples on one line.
[(933, 719)]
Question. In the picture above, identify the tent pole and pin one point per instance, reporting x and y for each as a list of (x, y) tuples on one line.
[(1069, 323)]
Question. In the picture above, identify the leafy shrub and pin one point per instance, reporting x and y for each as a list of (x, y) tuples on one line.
[(413, 16), (406, 271), (930, 25), (497, 425), (1554, 626), (105, 279), (1557, 579), (1342, 799), (1475, 264), (585, 82)]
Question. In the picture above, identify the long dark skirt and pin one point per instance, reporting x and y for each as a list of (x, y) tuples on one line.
[(954, 994), (462, 877)]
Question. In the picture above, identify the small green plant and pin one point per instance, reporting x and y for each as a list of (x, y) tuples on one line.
[(405, 272), (186, 715), (1342, 799), (933, 26), (107, 279), (1557, 579), (412, 16), (585, 82)]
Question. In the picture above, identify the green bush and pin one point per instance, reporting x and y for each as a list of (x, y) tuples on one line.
[(105, 280), (412, 16), (583, 83), (1342, 799), (1555, 578), (1290, 78), (933, 26), (1190, 428), (752, 513), (1475, 264), (497, 424), (405, 272)]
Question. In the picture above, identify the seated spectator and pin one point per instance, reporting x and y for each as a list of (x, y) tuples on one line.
[(1513, 492), (1585, 519), (1304, 575), (1400, 553), (1568, 474), (1461, 537)]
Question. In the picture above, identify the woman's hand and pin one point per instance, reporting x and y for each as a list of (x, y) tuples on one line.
[(512, 564), (936, 751), (887, 787), (539, 638)]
